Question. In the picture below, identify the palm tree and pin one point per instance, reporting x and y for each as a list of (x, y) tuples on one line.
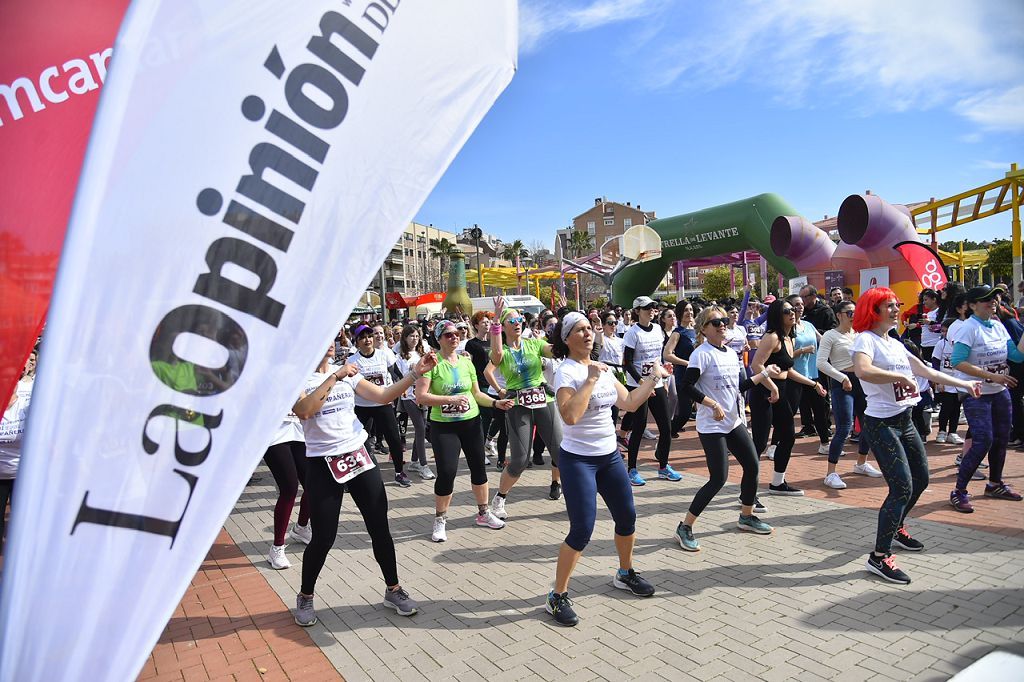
[(442, 249), (580, 243), (514, 252)]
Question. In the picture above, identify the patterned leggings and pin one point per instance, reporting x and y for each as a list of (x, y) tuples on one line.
[(989, 418), (899, 451)]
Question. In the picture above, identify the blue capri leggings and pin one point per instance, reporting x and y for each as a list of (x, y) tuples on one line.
[(583, 478)]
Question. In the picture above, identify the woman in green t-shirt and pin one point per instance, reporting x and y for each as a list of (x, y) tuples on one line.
[(451, 392), (520, 361)]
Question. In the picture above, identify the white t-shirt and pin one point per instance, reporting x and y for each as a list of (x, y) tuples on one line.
[(594, 434), (335, 429), (611, 350), (12, 431), (647, 348), (375, 370), (886, 400), (944, 352), (736, 338), (290, 429), (720, 381), (931, 329), (988, 350), (620, 328), (406, 366)]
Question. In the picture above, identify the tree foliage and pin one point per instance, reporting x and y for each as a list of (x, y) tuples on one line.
[(1000, 259), (717, 284)]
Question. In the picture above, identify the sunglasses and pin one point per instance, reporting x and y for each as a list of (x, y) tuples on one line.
[(610, 322), (717, 322), (515, 320), (850, 312), (450, 335), (788, 311)]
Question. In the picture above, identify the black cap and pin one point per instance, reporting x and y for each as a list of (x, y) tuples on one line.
[(983, 293)]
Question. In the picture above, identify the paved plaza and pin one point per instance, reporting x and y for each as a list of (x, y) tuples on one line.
[(794, 605)]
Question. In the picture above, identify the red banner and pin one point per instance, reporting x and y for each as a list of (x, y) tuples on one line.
[(927, 264), (393, 300), (435, 297), (53, 60)]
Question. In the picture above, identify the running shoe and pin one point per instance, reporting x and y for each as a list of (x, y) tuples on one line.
[(487, 461), (784, 489), (823, 449), (806, 433), (961, 501), (555, 491), (488, 519), (635, 478), (769, 452), (758, 507), (538, 459), (277, 559), (834, 480), (498, 506), (305, 615), (866, 469), (491, 448), (854, 437), (903, 540), (560, 606), (941, 437), (752, 524), (954, 439), (1001, 491), (886, 568), (303, 534), (440, 534), (667, 473), (632, 581), (650, 435), (684, 534), (402, 479), (400, 601), (425, 473), (960, 458), (500, 464)]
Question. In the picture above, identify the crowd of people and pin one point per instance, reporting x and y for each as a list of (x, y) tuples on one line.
[(500, 387)]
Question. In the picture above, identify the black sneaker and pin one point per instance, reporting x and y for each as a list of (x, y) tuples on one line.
[(903, 540), (500, 465), (886, 568), (538, 459), (784, 489), (758, 507), (560, 606), (556, 490), (634, 583)]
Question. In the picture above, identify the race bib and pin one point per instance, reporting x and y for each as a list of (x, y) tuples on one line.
[(532, 398), (1001, 368), (377, 379), (346, 467), (455, 410), (646, 369), (947, 364), (901, 392)]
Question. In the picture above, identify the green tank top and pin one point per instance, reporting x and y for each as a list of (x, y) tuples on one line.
[(448, 379), (523, 368)]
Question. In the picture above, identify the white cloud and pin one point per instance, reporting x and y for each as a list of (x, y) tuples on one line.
[(541, 19), (995, 110), (992, 165)]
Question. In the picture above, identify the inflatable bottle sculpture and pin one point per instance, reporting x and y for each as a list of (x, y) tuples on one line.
[(457, 298)]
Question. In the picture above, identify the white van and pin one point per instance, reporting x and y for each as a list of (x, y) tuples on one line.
[(523, 303)]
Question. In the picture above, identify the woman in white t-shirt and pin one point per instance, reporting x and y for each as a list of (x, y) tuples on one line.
[(286, 459), (409, 353), (338, 461), (886, 370), (983, 349), (947, 397), (716, 380), (611, 352), (590, 461)]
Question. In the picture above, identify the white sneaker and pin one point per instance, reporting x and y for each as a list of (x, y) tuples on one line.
[(823, 449), (439, 534), (867, 470), (490, 520), (941, 438), (650, 435), (487, 461), (769, 453), (954, 439), (303, 534), (277, 560), (491, 448), (425, 473), (498, 507), (834, 480)]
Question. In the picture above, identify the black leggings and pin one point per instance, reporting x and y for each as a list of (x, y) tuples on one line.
[(496, 427), (658, 404), (717, 447), (325, 495), (287, 463), (382, 419), (447, 438), (779, 416), (814, 410), (6, 495)]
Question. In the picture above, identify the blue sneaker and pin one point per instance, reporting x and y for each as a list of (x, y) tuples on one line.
[(669, 474), (752, 524), (635, 478), (684, 534)]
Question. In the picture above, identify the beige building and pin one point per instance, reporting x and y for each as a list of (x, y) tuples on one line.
[(410, 269), (606, 219)]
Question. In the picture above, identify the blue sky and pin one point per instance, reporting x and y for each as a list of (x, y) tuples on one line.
[(681, 105)]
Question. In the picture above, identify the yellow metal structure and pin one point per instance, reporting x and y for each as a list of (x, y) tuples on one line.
[(505, 278)]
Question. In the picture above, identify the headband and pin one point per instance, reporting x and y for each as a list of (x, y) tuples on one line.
[(570, 321), (442, 327), (506, 313)]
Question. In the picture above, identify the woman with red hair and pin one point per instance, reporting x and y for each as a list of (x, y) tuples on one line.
[(886, 371)]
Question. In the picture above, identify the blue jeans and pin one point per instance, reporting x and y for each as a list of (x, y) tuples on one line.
[(585, 477), (899, 451), (844, 406), (989, 418)]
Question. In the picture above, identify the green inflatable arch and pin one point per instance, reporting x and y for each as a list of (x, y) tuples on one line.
[(738, 226)]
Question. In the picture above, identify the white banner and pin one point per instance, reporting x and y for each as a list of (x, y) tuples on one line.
[(874, 277), (251, 165)]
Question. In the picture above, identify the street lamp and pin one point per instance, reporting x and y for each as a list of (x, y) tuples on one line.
[(476, 233)]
